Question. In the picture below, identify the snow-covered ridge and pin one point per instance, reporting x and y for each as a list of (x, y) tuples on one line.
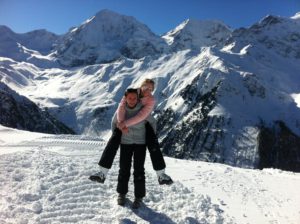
[(34, 47), (279, 34), (296, 16), (194, 34)]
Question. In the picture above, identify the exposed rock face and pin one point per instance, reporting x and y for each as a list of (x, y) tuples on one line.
[(196, 136), (279, 148)]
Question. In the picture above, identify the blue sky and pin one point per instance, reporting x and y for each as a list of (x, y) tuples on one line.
[(159, 15)]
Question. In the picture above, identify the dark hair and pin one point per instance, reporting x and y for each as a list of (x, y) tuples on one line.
[(131, 90)]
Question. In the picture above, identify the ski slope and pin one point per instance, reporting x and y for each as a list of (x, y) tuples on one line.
[(44, 179)]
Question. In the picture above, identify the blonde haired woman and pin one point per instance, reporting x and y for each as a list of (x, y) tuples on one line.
[(147, 100)]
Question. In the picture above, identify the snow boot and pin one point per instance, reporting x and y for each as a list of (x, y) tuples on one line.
[(121, 199), (137, 203), (164, 179), (98, 177)]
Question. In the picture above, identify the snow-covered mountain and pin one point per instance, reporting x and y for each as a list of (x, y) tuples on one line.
[(236, 109), (108, 36), (19, 112), (194, 34), (34, 47), (233, 101), (282, 35)]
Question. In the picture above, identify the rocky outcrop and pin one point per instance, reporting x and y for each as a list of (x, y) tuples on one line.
[(196, 135), (279, 148)]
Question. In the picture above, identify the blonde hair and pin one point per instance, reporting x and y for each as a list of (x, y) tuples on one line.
[(146, 81)]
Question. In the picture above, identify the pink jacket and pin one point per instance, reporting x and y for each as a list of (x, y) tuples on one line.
[(148, 103)]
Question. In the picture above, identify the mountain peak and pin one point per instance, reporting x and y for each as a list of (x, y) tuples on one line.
[(108, 36), (107, 13), (28, 46), (5, 29), (110, 18), (296, 16), (197, 33), (269, 20), (268, 32), (104, 16)]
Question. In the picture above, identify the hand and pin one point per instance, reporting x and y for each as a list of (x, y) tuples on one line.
[(121, 125), (125, 130)]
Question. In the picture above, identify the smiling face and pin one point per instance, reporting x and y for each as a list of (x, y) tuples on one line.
[(147, 89), (131, 100)]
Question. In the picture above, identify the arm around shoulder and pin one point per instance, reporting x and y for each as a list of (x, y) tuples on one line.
[(149, 104)]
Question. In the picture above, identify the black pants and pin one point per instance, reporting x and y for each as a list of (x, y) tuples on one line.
[(138, 153), (152, 144), (111, 149)]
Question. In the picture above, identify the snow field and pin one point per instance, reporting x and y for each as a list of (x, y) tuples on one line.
[(250, 196), (44, 185), (44, 179)]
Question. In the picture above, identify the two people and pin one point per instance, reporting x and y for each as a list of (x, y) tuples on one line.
[(134, 129)]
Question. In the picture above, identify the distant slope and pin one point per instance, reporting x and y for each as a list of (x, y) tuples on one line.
[(34, 47), (19, 112)]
